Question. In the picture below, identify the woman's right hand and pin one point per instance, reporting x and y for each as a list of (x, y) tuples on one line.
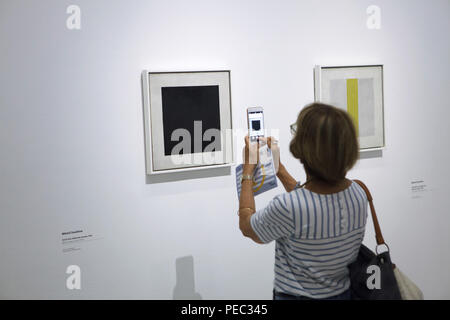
[(272, 143), (269, 141), (286, 179)]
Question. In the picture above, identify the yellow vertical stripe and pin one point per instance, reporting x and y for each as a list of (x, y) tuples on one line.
[(352, 101)]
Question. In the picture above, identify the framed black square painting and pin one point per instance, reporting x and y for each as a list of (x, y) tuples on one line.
[(187, 120)]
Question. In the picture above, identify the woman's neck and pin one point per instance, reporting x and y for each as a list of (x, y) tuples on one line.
[(323, 187)]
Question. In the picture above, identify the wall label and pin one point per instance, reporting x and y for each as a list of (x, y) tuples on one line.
[(73, 240), (418, 189)]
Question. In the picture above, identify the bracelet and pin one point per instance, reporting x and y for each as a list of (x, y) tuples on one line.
[(246, 177), (238, 213)]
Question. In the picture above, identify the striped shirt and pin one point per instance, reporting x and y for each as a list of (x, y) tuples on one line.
[(317, 237)]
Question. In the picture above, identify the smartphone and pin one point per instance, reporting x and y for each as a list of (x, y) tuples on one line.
[(255, 121)]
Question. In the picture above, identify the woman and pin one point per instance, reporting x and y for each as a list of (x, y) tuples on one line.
[(318, 226)]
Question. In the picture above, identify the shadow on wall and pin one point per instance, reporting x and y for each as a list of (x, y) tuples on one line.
[(185, 285), (371, 154), (188, 175)]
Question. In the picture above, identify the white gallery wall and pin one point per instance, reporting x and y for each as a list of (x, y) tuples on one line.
[(72, 151)]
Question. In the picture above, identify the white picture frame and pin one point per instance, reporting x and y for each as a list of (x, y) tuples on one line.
[(358, 90), (154, 84)]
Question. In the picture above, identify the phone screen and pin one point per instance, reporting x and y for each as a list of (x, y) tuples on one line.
[(255, 124)]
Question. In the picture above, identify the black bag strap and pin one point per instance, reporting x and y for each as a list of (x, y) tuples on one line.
[(378, 235)]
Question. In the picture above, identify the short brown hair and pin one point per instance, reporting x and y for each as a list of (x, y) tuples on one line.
[(325, 142)]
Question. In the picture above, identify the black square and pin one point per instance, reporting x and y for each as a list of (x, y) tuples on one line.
[(181, 106), (256, 125)]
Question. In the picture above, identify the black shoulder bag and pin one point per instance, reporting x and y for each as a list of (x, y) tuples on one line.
[(360, 270)]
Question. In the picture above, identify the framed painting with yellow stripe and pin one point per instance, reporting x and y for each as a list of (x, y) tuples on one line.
[(359, 91)]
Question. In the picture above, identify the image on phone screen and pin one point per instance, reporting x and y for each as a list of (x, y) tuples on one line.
[(256, 124)]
